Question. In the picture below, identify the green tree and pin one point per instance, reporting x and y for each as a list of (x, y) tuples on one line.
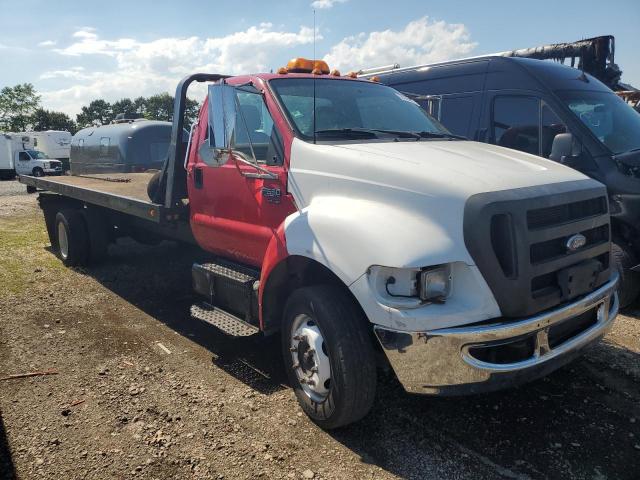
[(49, 120), (17, 104), (160, 107), (97, 112), (124, 105)]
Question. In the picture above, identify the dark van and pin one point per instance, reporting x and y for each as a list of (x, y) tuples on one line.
[(130, 146), (547, 109)]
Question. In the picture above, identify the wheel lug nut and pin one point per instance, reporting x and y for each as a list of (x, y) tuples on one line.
[(295, 365), (293, 349)]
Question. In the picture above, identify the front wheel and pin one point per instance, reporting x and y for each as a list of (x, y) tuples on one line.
[(328, 355), (38, 172)]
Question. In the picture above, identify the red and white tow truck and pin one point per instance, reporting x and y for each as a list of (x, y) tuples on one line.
[(341, 216)]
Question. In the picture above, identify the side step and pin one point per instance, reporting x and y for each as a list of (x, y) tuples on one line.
[(230, 286), (225, 321)]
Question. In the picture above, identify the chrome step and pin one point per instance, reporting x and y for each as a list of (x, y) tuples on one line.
[(225, 321)]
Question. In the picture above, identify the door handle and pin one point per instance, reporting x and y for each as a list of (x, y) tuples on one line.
[(198, 174)]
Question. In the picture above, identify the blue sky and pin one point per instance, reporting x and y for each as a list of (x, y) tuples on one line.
[(75, 51)]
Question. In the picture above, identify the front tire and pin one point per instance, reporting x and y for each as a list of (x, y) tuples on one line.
[(328, 355), (72, 239), (38, 172)]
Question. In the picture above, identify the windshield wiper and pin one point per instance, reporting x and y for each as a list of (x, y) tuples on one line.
[(347, 132), (369, 132), (440, 135)]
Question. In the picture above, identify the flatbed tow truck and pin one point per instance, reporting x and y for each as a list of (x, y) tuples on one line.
[(342, 217)]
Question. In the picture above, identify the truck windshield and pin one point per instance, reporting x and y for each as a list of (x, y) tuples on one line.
[(612, 120), (37, 155), (353, 110)]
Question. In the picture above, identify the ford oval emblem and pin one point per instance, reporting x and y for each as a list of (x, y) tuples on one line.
[(575, 242)]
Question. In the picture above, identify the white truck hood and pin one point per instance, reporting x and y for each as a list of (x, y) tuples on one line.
[(463, 166), (395, 192)]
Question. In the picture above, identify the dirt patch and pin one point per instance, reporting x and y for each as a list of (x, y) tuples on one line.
[(144, 392)]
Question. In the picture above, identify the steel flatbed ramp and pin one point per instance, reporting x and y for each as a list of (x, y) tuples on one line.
[(123, 192)]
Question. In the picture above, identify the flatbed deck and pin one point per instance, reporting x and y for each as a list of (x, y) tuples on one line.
[(123, 192)]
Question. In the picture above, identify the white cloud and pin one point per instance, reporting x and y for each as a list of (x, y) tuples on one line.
[(47, 43), (74, 73), (130, 68), (324, 4), (146, 68), (420, 41)]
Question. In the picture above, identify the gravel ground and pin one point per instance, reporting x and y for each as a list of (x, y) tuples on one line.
[(142, 391), (11, 188)]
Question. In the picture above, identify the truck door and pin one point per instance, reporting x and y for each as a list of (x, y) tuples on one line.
[(235, 208), (23, 163)]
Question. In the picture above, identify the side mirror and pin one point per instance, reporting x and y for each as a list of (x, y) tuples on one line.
[(567, 151), (222, 121)]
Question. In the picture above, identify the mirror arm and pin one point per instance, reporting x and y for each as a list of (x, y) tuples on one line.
[(264, 173)]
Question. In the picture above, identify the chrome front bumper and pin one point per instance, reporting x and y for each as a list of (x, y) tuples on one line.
[(442, 362)]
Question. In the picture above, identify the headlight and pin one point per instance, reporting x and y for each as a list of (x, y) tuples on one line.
[(410, 287), (435, 283)]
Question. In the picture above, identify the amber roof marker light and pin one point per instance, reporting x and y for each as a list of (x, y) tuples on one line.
[(304, 65)]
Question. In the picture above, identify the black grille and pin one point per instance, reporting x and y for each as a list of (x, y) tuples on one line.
[(559, 214), (518, 239), (557, 247)]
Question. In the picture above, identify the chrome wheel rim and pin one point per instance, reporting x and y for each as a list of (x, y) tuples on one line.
[(63, 241), (310, 360)]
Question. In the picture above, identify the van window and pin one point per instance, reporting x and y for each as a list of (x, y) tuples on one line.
[(104, 146), (515, 123), (24, 156), (551, 126), (456, 113)]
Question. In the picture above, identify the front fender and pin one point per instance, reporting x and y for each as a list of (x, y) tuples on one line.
[(347, 236)]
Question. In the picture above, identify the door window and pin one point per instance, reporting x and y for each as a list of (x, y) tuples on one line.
[(254, 130), (551, 126), (24, 156), (516, 123)]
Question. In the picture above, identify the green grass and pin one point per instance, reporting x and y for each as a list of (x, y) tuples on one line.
[(23, 250)]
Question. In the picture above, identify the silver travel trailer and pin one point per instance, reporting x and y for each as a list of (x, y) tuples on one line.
[(124, 147)]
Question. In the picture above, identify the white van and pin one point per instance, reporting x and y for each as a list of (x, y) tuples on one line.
[(7, 171), (35, 163)]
